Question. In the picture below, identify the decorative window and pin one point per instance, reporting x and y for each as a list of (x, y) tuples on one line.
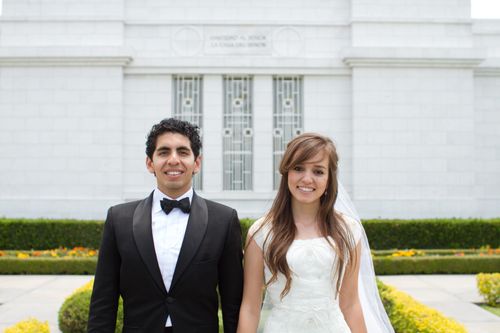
[(287, 117), (188, 106), (237, 134)]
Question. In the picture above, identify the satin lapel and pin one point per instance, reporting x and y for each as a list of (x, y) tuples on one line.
[(143, 237), (195, 231)]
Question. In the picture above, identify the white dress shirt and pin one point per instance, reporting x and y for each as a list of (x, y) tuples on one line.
[(168, 233)]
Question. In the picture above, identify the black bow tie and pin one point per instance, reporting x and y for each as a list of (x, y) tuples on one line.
[(183, 204)]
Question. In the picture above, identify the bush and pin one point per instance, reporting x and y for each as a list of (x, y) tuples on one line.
[(489, 287), (74, 313), (23, 234), (436, 265), (48, 265), (432, 233), (41, 234), (425, 233), (30, 325), (409, 316)]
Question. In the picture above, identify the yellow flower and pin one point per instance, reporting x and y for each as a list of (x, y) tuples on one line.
[(21, 255), (30, 325)]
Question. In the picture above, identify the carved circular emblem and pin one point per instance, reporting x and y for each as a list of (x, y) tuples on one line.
[(287, 42), (187, 41), (237, 102), (287, 103)]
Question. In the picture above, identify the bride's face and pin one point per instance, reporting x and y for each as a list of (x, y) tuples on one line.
[(307, 181)]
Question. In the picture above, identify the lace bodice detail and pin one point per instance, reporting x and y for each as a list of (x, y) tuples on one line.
[(311, 304)]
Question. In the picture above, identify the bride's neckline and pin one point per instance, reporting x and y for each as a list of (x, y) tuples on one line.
[(307, 239)]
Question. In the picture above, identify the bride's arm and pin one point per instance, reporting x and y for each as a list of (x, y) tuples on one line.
[(252, 288), (349, 298)]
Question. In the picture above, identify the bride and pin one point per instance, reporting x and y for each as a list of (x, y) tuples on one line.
[(313, 260)]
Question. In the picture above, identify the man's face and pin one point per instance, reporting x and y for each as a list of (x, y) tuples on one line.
[(173, 164)]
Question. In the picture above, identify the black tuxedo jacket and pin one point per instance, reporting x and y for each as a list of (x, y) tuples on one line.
[(210, 258)]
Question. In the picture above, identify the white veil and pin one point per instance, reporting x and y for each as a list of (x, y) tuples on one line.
[(376, 319)]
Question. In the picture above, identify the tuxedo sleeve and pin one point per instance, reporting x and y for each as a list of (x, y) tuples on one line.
[(104, 300), (231, 276)]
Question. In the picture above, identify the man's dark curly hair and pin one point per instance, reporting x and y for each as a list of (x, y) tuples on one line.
[(174, 126)]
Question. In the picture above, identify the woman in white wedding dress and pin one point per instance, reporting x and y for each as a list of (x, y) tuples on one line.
[(306, 254)]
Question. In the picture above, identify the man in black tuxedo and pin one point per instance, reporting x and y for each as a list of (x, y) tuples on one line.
[(168, 254)]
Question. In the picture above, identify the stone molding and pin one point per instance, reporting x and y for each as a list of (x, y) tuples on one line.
[(412, 57), (64, 56)]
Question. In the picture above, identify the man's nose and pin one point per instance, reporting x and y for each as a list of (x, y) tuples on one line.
[(173, 158)]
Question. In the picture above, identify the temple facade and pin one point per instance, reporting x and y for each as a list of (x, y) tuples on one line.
[(409, 90)]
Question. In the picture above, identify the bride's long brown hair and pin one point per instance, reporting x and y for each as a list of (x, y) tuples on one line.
[(280, 218)]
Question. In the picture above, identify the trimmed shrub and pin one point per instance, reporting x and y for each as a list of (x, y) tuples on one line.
[(23, 234), (30, 325), (489, 287), (48, 265), (41, 234), (436, 265), (432, 233), (425, 233), (74, 313), (245, 225), (409, 316)]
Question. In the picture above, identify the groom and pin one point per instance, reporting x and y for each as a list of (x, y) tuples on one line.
[(168, 254)]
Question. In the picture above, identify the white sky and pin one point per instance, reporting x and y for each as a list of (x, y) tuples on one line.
[(484, 8), (479, 8)]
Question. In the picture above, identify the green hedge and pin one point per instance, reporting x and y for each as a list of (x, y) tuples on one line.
[(426, 233), (437, 265), (383, 266), (41, 234), (433, 233), (48, 265), (23, 234)]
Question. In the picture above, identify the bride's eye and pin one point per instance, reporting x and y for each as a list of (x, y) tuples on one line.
[(298, 168), (319, 172)]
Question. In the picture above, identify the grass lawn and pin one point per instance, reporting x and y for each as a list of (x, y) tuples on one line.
[(494, 310)]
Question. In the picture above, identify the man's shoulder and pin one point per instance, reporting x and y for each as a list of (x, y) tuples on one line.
[(214, 206)]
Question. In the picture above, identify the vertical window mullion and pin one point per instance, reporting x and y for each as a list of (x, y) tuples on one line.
[(238, 133), (188, 106), (287, 117)]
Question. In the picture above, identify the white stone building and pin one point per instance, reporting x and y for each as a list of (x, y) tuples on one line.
[(408, 89)]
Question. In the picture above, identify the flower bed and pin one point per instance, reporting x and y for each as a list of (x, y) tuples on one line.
[(76, 252), (30, 325), (409, 316), (83, 261)]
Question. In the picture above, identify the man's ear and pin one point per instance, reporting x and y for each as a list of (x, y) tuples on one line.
[(197, 165), (149, 165)]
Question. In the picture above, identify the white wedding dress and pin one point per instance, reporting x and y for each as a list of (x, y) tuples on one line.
[(310, 305)]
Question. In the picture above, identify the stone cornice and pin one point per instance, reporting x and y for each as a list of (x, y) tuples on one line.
[(64, 56), (412, 57), (490, 67), (238, 65)]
